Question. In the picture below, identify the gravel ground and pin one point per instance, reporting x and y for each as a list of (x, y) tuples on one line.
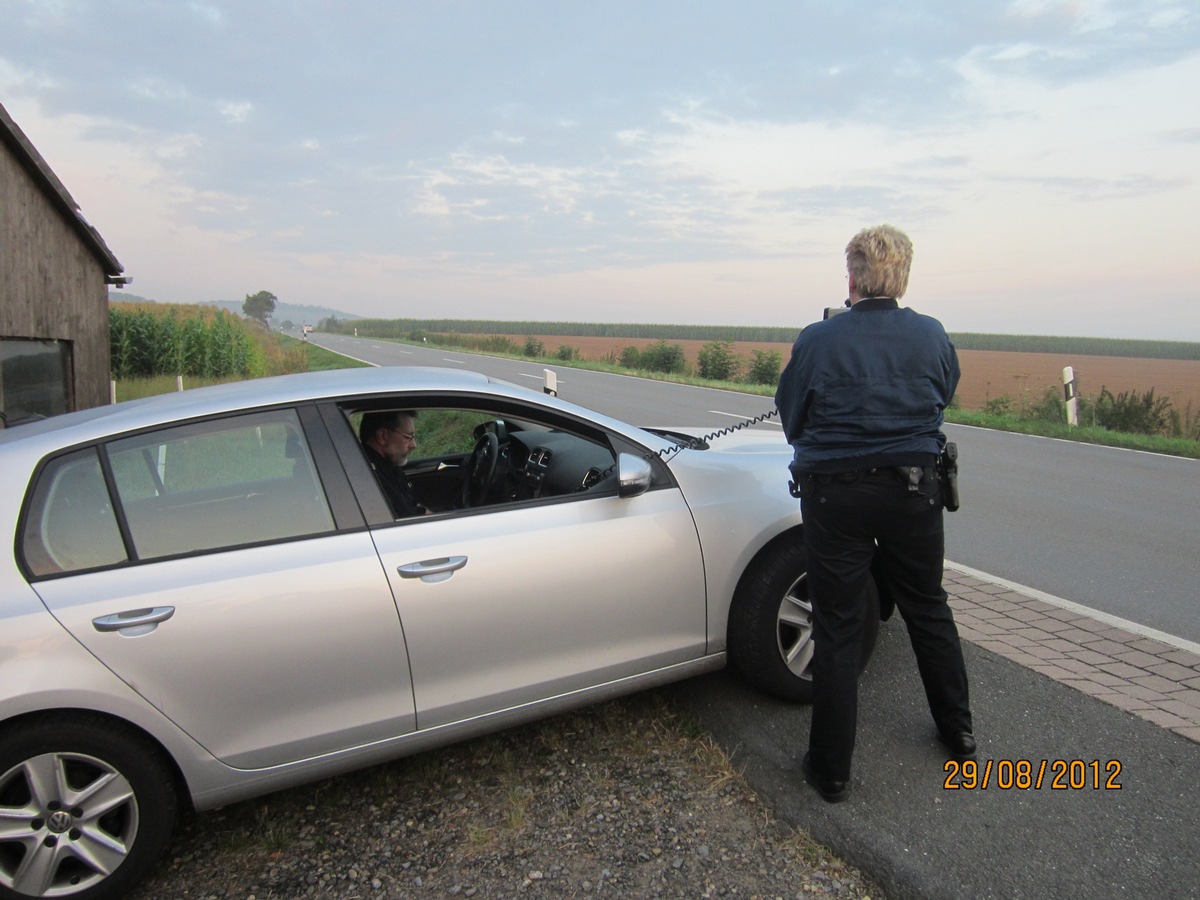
[(627, 799)]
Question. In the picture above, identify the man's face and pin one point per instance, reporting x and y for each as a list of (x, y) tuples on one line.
[(397, 443)]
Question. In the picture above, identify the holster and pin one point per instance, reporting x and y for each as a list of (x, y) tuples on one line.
[(948, 474)]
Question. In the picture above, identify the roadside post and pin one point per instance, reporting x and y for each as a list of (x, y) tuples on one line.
[(1068, 375), (550, 382)]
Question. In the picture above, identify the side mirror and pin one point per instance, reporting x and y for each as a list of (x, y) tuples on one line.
[(633, 475)]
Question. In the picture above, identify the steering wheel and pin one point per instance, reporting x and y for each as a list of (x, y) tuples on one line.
[(481, 469)]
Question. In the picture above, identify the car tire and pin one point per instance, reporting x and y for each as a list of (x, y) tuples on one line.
[(86, 809), (770, 624)]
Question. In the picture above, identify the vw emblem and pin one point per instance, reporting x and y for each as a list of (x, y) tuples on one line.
[(59, 822)]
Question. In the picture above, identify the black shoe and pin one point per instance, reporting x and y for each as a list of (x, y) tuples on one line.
[(831, 791), (961, 745)]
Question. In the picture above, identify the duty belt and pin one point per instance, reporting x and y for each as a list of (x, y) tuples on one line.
[(945, 472), (912, 476)]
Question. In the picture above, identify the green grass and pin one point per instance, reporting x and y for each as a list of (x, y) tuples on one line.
[(133, 388), (1083, 434), (322, 360)]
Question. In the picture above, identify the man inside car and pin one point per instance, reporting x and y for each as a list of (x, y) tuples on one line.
[(388, 437)]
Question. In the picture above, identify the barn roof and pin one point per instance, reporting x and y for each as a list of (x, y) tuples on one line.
[(39, 170)]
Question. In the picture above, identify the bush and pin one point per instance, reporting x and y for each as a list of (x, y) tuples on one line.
[(566, 353), (1131, 413), (765, 367), (533, 347), (717, 361), (1051, 408), (631, 358), (663, 357), (999, 406), (494, 343)]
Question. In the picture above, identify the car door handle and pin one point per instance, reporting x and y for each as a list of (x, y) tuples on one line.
[(433, 570), (133, 618)]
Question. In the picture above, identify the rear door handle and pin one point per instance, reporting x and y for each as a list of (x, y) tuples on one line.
[(432, 571), (134, 618)]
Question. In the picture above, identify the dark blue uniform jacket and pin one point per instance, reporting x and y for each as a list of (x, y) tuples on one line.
[(867, 388)]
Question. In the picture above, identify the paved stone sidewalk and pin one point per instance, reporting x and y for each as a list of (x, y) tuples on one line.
[(1148, 674)]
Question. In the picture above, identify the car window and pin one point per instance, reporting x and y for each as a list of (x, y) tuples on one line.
[(450, 470), (440, 432), (216, 484), (71, 525)]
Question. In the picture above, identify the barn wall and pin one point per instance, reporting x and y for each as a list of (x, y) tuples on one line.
[(51, 285)]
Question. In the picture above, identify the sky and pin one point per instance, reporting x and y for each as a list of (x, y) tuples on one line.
[(664, 161)]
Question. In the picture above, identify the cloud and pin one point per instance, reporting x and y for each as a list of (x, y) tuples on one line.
[(236, 112), (618, 152)]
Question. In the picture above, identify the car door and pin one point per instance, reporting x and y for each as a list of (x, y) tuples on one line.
[(512, 605), (244, 613), (516, 602)]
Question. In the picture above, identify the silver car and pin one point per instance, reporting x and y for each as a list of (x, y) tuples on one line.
[(208, 597)]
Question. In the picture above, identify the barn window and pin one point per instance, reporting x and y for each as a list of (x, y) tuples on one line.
[(35, 377)]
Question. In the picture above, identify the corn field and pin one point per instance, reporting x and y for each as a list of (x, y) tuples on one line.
[(205, 342)]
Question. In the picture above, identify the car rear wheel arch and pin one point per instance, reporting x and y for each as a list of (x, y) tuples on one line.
[(770, 621), (98, 756)]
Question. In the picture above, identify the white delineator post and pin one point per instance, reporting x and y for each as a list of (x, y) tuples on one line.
[(550, 382), (1070, 397)]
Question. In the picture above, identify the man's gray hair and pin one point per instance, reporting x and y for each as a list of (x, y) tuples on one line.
[(387, 418)]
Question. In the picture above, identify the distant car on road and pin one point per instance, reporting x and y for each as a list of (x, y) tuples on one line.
[(208, 597)]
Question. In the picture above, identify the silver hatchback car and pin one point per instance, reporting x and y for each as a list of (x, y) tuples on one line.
[(209, 597)]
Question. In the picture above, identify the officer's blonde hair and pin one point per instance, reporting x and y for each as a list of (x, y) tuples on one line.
[(879, 259)]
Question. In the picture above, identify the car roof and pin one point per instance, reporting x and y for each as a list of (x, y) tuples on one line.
[(130, 415)]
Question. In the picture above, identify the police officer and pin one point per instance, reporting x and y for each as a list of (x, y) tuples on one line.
[(861, 402)]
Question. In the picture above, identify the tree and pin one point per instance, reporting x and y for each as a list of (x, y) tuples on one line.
[(259, 306)]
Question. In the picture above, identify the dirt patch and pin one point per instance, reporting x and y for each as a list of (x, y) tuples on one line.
[(987, 374), (990, 373)]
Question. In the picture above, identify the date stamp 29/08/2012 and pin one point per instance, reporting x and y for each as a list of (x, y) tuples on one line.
[(1033, 774)]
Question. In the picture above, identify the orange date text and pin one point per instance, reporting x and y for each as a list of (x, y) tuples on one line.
[(1033, 774)]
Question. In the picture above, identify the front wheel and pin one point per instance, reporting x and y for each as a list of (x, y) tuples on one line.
[(86, 810), (771, 627)]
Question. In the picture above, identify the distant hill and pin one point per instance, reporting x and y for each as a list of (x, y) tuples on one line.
[(284, 312)]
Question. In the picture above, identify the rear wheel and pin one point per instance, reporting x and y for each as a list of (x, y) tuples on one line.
[(771, 629), (86, 809)]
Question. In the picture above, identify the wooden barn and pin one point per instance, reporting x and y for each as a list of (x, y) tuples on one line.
[(54, 275)]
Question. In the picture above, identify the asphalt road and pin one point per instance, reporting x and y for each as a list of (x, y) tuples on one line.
[(1102, 528)]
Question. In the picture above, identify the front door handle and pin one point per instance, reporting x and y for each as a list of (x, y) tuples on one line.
[(142, 619), (432, 571)]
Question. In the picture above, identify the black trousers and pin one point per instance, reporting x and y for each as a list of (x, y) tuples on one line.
[(846, 524)]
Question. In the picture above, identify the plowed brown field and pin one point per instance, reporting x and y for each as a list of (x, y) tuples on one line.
[(987, 374)]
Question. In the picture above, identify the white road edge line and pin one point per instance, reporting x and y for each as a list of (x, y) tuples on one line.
[(1116, 621), (770, 423)]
